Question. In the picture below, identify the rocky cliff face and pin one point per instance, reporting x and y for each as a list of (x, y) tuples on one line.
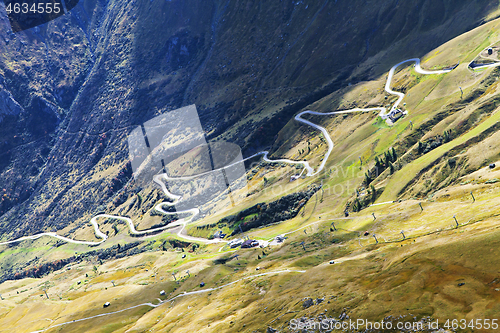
[(73, 89)]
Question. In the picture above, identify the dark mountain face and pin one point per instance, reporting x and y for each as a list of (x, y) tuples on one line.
[(73, 89)]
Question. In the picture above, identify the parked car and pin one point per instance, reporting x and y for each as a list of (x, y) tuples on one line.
[(235, 243), (280, 238)]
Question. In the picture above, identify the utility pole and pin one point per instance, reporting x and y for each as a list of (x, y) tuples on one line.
[(333, 225), (374, 218), (421, 209), (461, 92), (45, 291), (173, 274), (303, 246), (360, 160), (322, 191), (228, 184), (473, 199), (113, 282), (402, 233), (411, 125), (376, 240), (455, 220), (189, 275), (305, 231)]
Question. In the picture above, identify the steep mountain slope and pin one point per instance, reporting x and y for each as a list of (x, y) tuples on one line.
[(419, 244), (85, 80)]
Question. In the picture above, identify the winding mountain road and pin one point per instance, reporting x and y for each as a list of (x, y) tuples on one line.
[(473, 66), (195, 211)]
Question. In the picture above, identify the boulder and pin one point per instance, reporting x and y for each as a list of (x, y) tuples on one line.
[(308, 302)]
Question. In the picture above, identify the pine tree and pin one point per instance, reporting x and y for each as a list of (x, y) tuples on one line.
[(374, 193), (446, 136), (420, 147), (354, 207), (368, 180), (391, 168), (394, 155), (358, 205), (387, 159)]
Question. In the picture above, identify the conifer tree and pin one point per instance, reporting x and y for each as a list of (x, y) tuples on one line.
[(368, 180)]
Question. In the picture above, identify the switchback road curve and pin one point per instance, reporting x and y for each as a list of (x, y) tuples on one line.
[(195, 211)]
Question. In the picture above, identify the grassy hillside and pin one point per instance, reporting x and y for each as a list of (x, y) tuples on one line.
[(418, 276), (249, 68), (427, 249), (427, 262)]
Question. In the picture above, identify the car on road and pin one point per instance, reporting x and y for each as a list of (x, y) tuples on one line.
[(280, 238), (235, 243), (219, 234)]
